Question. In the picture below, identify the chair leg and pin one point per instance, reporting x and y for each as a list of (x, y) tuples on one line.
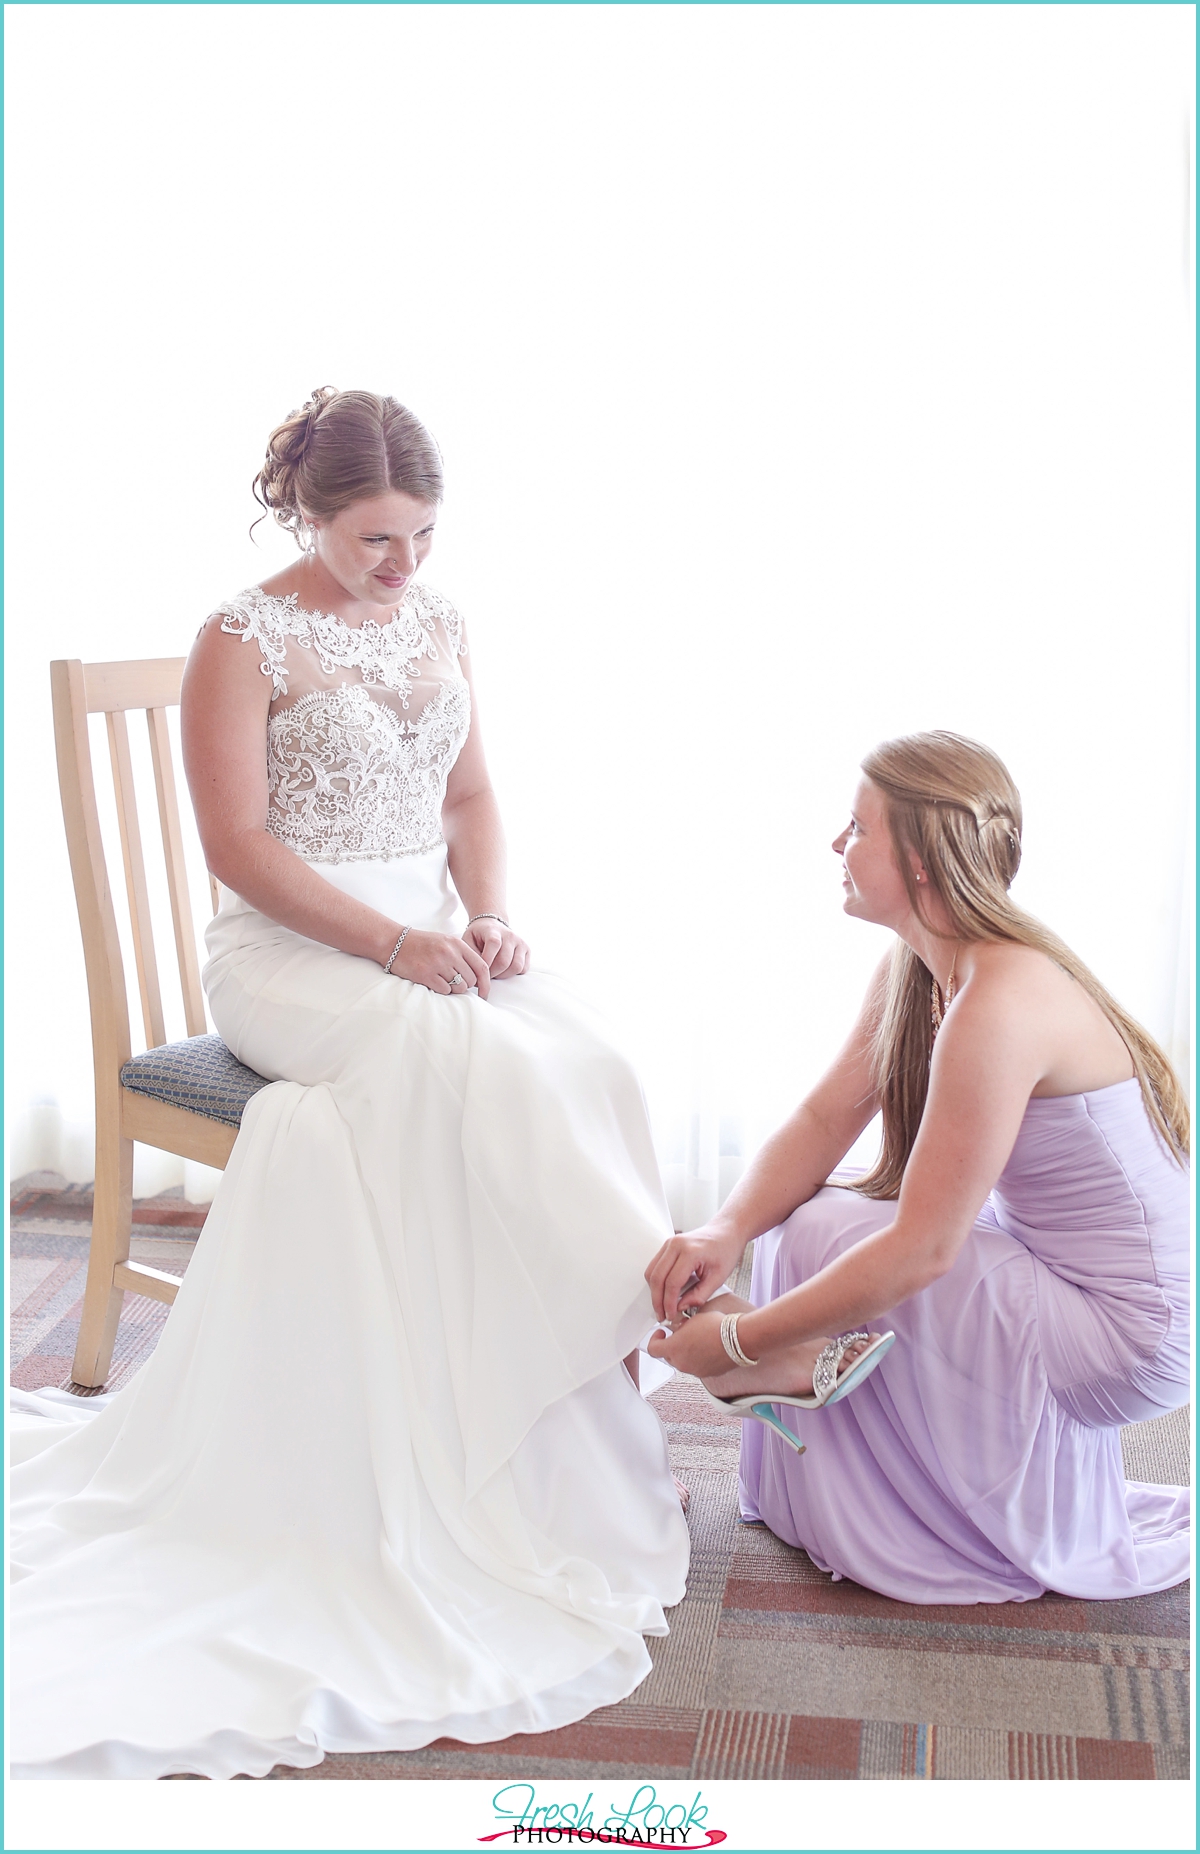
[(112, 1221)]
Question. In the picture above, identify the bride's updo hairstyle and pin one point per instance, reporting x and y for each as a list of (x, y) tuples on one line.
[(341, 448), (953, 803)]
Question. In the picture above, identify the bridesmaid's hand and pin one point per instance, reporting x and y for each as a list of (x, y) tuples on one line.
[(688, 1270), (695, 1345), (504, 952)]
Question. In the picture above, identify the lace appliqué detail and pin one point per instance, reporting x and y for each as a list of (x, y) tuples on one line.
[(349, 779), (384, 654)]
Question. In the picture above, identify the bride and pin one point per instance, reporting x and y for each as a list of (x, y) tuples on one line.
[(385, 1478)]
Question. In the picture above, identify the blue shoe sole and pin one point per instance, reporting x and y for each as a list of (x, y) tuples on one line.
[(862, 1370)]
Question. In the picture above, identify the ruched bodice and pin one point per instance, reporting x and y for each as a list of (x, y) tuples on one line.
[(982, 1461), (1093, 1194), (1092, 1191)]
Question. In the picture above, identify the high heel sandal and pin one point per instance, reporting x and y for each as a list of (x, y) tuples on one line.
[(827, 1388)]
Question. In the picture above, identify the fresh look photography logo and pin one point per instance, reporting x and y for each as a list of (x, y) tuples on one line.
[(645, 1822)]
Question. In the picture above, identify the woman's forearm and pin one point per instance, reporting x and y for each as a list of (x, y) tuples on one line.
[(789, 1169), (478, 861), (281, 885)]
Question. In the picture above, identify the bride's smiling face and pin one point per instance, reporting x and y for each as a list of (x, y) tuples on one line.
[(872, 879), (373, 548)]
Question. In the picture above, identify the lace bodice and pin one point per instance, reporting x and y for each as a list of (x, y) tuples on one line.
[(364, 724)]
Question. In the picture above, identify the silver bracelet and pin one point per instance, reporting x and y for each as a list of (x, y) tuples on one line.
[(404, 933), (729, 1340), (488, 917)]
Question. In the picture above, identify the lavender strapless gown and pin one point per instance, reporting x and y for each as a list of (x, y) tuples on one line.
[(981, 1463)]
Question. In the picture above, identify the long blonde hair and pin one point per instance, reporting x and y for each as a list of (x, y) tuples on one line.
[(952, 802)]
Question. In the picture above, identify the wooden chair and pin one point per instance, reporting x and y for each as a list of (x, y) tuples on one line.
[(186, 1097)]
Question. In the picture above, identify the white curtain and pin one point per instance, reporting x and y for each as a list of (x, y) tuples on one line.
[(805, 375)]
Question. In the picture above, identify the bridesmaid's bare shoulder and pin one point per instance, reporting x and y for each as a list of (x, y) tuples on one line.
[(1003, 964), (1021, 988)]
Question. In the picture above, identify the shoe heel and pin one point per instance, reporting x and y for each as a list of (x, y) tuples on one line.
[(766, 1414)]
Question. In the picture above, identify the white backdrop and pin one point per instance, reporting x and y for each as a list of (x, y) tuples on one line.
[(805, 375)]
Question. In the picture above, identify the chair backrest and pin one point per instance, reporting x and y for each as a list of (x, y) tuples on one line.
[(79, 690)]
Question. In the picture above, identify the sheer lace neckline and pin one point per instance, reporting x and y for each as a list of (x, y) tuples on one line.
[(388, 655), (307, 612)]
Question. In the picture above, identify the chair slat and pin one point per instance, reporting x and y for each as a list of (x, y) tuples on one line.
[(154, 1283), (135, 880), (97, 916), (153, 683), (112, 1199), (181, 908)]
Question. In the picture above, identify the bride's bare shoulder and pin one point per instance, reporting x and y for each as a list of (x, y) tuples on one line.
[(232, 619), (235, 647)]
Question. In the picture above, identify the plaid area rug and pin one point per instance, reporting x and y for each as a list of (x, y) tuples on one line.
[(48, 1267), (771, 1669)]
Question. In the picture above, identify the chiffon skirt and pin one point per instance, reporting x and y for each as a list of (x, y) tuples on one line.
[(961, 1471), (384, 1478)]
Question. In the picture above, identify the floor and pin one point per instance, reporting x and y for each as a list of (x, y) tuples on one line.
[(771, 1669)]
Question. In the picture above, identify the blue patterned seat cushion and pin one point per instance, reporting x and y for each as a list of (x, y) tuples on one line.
[(201, 1075)]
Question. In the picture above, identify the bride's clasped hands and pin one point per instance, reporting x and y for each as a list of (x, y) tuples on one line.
[(441, 962), (451, 965), (502, 951)]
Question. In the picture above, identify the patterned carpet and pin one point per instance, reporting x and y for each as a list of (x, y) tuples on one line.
[(771, 1669)]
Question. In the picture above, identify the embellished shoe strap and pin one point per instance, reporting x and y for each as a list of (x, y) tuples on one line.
[(825, 1371)]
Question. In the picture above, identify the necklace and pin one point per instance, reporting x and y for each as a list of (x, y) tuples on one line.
[(938, 1006)]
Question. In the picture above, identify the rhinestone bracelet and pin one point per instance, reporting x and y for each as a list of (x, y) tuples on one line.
[(404, 933), (729, 1340)]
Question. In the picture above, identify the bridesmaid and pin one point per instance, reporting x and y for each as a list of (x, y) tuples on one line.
[(1024, 1233)]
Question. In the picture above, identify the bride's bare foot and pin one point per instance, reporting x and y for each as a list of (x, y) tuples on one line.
[(789, 1373)]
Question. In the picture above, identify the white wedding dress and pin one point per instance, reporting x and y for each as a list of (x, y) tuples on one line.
[(384, 1478)]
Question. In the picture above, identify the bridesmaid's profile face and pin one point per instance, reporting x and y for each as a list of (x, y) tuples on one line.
[(871, 878), (373, 548)]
